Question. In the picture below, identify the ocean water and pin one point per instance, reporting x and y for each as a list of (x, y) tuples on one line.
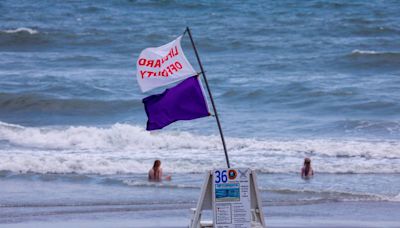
[(291, 79)]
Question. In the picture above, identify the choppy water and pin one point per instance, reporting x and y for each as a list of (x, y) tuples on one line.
[(290, 79)]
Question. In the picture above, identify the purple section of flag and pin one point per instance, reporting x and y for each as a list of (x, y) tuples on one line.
[(184, 101)]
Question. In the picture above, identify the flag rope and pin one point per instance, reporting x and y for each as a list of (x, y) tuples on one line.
[(209, 93)]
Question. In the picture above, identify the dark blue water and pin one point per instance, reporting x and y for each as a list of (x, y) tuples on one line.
[(276, 68)]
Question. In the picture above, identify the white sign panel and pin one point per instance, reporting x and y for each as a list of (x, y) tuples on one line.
[(160, 66), (231, 198)]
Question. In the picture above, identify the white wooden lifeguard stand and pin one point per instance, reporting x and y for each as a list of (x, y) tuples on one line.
[(205, 202)]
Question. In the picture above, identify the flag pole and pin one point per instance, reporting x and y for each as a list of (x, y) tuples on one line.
[(209, 93)]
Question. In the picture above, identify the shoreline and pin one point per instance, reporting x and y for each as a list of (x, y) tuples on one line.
[(344, 214)]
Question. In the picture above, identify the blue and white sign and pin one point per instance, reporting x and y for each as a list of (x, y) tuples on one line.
[(231, 198)]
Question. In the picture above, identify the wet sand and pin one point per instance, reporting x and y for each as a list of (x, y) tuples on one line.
[(340, 214)]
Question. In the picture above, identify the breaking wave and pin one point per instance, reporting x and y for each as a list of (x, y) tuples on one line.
[(125, 148), (357, 52), (21, 37), (21, 30), (370, 59)]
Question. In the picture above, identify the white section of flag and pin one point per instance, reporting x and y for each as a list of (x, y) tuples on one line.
[(162, 65)]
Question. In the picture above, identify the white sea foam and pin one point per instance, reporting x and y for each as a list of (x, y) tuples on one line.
[(397, 198), (344, 195), (356, 51), (21, 30), (158, 184), (371, 52), (124, 148)]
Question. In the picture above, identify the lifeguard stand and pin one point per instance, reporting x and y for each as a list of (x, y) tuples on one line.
[(205, 202)]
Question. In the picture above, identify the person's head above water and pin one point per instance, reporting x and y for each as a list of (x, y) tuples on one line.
[(156, 174), (307, 171), (157, 164), (307, 161)]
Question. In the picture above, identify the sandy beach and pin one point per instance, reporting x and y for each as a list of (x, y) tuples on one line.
[(361, 214)]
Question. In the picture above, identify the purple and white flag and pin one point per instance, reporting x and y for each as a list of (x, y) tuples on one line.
[(160, 66), (184, 101)]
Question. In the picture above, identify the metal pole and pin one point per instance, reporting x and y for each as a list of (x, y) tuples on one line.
[(211, 97)]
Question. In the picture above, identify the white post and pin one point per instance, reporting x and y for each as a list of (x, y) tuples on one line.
[(204, 201)]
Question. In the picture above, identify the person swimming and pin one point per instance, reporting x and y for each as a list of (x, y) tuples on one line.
[(156, 174), (307, 171)]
